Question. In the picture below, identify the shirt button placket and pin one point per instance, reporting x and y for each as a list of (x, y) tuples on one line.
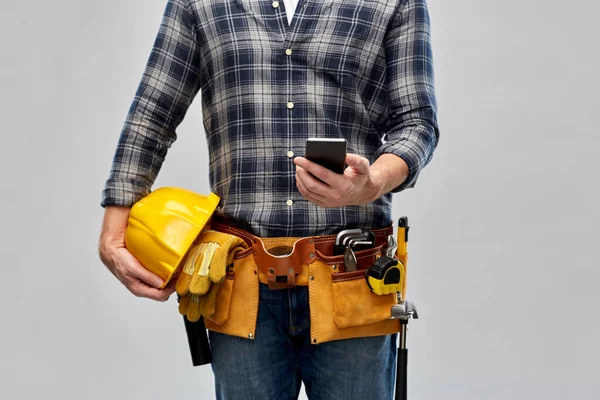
[(275, 4), (290, 104)]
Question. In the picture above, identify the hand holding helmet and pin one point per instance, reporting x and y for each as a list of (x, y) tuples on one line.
[(122, 264)]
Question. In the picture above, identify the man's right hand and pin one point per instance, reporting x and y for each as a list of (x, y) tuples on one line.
[(123, 265)]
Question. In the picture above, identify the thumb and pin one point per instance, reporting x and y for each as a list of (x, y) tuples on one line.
[(360, 164)]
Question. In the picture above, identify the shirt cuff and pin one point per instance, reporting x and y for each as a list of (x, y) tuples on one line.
[(123, 193), (405, 150)]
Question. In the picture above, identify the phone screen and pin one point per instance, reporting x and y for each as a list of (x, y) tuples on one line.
[(330, 153)]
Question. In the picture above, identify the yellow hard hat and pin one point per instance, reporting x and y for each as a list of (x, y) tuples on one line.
[(163, 226)]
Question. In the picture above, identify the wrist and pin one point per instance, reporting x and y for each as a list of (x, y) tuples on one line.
[(388, 172), (113, 228), (378, 186)]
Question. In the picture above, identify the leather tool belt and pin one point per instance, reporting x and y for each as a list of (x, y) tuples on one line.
[(283, 262), (341, 304)]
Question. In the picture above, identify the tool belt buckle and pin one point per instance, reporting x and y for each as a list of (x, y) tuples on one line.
[(281, 269), (282, 275)]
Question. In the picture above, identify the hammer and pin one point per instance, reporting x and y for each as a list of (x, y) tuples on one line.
[(403, 311)]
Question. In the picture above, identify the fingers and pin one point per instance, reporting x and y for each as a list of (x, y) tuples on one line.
[(141, 289), (185, 277), (311, 183), (137, 279), (309, 195), (327, 176), (184, 304), (135, 270)]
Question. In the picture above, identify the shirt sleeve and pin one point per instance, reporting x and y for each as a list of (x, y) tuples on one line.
[(168, 86), (412, 122)]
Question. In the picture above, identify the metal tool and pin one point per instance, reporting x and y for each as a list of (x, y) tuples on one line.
[(359, 244), (346, 240), (344, 233), (358, 235), (366, 240), (350, 260), (369, 235), (403, 311), (338, 249), (353, 239), (392, 246)]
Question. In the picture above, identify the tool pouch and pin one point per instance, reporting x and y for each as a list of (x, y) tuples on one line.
[(237, 300), (223, 301), (342, 306), (353, 302)]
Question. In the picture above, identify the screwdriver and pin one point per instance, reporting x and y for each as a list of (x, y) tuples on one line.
[(401, 252)]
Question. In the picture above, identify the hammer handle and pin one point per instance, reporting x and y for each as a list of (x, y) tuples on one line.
[(198, 342), (401, 375)]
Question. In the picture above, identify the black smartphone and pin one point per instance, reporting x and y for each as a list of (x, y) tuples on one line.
[(330, 153)]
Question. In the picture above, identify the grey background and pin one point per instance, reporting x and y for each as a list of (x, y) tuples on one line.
[(504, 244)]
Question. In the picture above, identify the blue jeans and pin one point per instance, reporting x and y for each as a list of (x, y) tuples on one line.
[(281, 357)]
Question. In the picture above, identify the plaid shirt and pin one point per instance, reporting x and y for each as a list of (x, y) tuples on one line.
[(355, 69)]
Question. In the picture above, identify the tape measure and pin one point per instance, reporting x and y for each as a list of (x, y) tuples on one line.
[(385, 276)]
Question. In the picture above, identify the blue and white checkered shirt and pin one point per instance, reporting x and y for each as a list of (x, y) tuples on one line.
[(355, 69)]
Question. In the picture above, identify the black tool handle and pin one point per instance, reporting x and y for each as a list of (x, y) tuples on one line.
[(338, 249), (198, 341), (402, 374)]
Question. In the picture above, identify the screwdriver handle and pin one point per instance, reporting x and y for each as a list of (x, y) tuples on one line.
[(402, 235)]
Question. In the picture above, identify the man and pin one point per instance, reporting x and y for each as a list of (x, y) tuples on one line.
[(270, 78)]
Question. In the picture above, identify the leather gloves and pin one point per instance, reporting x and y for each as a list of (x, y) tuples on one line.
[(204, 269)]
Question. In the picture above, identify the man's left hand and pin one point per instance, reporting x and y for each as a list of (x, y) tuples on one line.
[(356, 186)]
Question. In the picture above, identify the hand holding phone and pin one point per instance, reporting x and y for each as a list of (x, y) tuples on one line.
[(335, 188)]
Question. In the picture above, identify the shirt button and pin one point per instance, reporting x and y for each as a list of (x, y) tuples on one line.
[(288, 52), (289, 203), (275, 4), (290, 154), (290, 105)]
